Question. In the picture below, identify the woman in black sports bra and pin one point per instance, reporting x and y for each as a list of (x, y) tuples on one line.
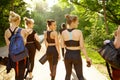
[(19, 67), (30, 45), (73, 42), (52, 45)]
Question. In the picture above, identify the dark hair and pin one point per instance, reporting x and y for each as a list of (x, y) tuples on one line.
[(70, 18), (49, 22), (63, 26)]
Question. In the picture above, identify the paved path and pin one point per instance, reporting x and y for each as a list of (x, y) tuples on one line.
[(41, 72), (3, 51)]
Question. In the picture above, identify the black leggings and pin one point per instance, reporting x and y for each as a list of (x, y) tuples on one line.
[(52, 56), (73, 57), (52, 66), (31, 50), (20, 69)]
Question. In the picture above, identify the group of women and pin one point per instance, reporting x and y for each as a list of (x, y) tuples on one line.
[(71, 45), (28, 35), (70, 42)]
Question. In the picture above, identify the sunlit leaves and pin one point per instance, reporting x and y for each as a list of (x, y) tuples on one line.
[(17, 6)]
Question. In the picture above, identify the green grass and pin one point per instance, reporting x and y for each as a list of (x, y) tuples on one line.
[(97, 60), (94, 55)]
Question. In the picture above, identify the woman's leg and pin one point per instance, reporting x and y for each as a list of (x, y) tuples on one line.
[(53, 72), (78, 69), (68, 67), (52, 66), (31, 60), (20, 70)]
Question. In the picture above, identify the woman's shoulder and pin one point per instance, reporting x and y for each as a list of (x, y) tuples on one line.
[(78, 30), (54, 32), (23, 30), (7, 32), (64, 31)]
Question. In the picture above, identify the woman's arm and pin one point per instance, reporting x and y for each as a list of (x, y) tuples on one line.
[(37, 37), (117, 38), (88, 60), (62, 45), (46, 43), (82, 47), (6, 38), (57, 43), (24, 34)]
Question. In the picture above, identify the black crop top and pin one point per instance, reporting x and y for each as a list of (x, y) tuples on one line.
[(31, 37), (49, 40), (71, 43)]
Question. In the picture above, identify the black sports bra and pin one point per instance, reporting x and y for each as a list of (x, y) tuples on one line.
[(12, 32), (49, 40), (71, 43)]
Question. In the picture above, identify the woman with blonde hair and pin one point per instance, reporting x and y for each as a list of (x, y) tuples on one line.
[(52, 45), (73, 44), (19, 67), (30, 43)]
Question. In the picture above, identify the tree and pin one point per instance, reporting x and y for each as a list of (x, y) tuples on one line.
[(91, 19), (42, 13), (39, 14), (58, 14), (19, 6), (112, 8)]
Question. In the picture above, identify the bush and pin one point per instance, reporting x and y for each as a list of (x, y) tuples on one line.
[(97, 36), (94, 55)]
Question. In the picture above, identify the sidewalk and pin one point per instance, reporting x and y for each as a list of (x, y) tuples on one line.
[(3, 51), (41, 72)]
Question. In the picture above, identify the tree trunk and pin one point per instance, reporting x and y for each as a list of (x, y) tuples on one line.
[(105, 19), (12, 6)]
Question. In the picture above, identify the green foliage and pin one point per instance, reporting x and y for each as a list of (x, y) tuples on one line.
[(40, 24), (58, 14), (97, 36), (17, 6), (91, 19), (42, 13), (94, 55), (112, 8)]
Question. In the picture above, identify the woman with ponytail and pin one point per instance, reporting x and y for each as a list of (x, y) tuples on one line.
[(19, 66), (30, 43), (52, 45), (73, 44)]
